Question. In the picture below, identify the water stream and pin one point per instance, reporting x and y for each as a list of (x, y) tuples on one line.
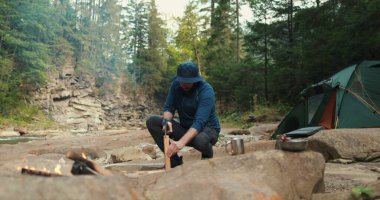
[(15, 140)]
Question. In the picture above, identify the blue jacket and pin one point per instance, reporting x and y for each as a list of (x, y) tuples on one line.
[(196, 108)]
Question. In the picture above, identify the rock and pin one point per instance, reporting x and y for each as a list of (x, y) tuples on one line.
[(265, 130), (67, 96), (125, 154), (46, 162), (89, 102), (349, 195), (66, 188), (353, 144), (375, 187), (21, 130), (262, 145), (62, 95), (343, 177), (342, 161), (150, 150), (9, 134), (332, 196), (235, 186), (273, 173)]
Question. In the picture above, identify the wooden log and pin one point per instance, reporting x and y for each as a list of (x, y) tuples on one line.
[(148, 165), (78, 156), (167, 159), (38, 172)]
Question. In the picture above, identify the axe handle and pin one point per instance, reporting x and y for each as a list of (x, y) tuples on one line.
[(167, 159)]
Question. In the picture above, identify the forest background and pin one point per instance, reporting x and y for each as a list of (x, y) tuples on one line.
[(266, 61)]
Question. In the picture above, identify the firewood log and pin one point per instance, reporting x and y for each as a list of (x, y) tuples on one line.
[(78, 156)]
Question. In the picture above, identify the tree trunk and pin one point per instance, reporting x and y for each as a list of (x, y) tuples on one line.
[(290, 23), (212, 12), (237, 32), (266, 60), (197, 56)]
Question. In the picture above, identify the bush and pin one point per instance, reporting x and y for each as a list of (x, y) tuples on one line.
[(240, 119)]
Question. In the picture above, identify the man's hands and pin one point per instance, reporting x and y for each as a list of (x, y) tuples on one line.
[(174, 147), (167, 126)]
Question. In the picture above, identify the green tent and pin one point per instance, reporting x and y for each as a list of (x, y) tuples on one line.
[(348, 99)]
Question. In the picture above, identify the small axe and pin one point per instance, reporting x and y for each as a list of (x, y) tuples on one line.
[(166, 147)]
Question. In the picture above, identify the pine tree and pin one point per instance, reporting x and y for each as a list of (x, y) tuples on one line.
[(191, 35)]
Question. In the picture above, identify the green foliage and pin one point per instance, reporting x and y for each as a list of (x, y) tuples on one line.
[(307, 43), (286, 46), (365, 193), (151, 63), (239, 118), (26, 115), (191, 37)]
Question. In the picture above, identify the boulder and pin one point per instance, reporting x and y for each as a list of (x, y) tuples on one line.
[(258, 175), (150, 150), (265, 130), (65, 188), (9, 134), (125, 154), (355, 144), (234, 186), (21, 130)]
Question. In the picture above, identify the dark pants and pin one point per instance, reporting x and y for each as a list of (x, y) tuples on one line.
[(202, 142)]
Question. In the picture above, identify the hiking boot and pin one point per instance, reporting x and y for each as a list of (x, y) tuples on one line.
[(208, 154), (175, 161)]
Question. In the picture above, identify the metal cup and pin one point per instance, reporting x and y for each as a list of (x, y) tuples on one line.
[(235, 146)]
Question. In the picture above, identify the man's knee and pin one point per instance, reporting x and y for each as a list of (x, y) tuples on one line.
[(154, 120), (201, 141)]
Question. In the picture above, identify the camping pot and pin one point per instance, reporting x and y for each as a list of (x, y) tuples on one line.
[(235, 146)]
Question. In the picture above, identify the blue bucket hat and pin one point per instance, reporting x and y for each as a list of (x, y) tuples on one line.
[(188, 72)]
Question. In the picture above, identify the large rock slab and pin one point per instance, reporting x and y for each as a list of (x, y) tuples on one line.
[(354, 144), (66, 188), (374, 187), (271, 174)]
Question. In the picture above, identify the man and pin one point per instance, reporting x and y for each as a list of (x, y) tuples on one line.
[(198, 126)]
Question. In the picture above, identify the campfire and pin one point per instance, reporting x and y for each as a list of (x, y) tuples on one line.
[(43, 172), (81, 166)]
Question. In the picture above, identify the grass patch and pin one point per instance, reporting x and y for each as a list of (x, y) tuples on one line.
[(239, 119), (27, 116)]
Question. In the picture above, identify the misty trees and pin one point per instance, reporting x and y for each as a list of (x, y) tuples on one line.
[(147, 45), (153, 60), (308, 42), (191, 35), (26, 30), (288, 44)]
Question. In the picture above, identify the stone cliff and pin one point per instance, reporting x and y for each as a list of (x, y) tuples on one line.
[(74, 102)]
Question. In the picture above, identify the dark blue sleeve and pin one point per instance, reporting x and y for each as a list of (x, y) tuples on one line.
[(169, 103), (206, 103)]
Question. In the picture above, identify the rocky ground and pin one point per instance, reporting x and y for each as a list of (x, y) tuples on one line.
[(136, 146)]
